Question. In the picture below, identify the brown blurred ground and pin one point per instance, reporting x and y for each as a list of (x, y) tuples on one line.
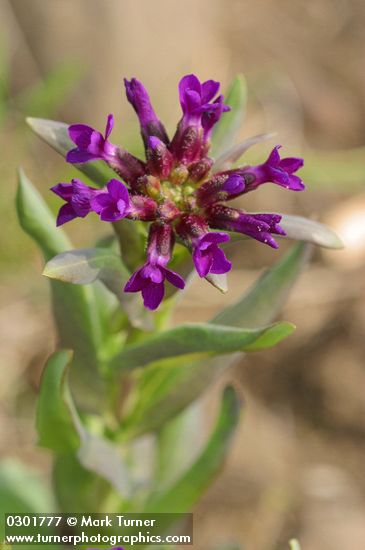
[(297, 467)]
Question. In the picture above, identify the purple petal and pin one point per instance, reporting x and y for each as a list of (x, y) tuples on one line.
[(188, 83), (80, 134), (296, 184), (81, 197), (122, 207), (100, 201), (174, 278), (202, 262), (65, 214), (279, 176), (111, 214), (118, 191), (291, 164), (136, 282), (153, 273), (234, 185), (138, 96), (274, 157), (214, 237), (209, 90), (109, 126), (270, 219), (63, 190), (76, 156), (192, 101), (220, 263), (153, 295)]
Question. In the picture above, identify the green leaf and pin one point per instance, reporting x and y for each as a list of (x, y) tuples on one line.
[(76, 313), (301, 229), (166, 388), (187, 490), (294, 544), (22, 490), (87, 265), (234, 153), (198, 338), (56, 135), (173, 455), (77, 488), (264, 300), (226, 130), (60, 429), (55, 410)]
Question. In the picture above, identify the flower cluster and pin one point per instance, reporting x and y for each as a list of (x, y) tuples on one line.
[(175, 189)]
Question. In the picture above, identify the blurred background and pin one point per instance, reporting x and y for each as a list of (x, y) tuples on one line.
[(297, 465)]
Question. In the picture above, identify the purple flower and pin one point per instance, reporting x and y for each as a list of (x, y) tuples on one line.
[(196, 99), (200, 113), (276, 170), (78, 197), (258, 226), (211, 116), (150, 125), (112, 204), (150, 278), (207, 256), (177, 189), (91, 144)]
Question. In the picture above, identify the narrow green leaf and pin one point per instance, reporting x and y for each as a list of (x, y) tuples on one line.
[(185, 492), (77, 488), (264, 300), (23, 490), (87, 265), (173, 455), (60, 429), (100, 456), (55, 411), (234, 153), (198, 338), (76, 313), (303, 229), (166, 388), (226, 130), (56, 135)]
